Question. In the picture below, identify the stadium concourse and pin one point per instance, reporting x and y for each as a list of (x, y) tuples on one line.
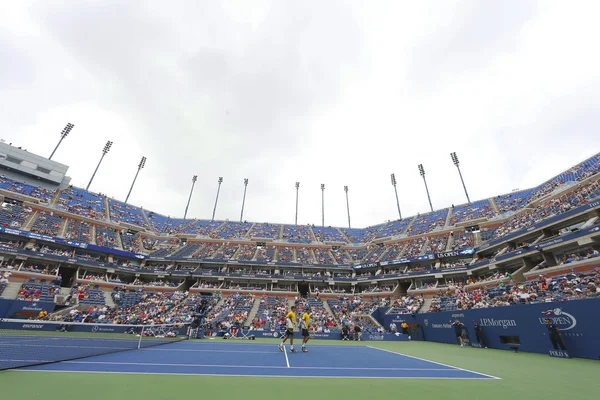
[(92, 285)]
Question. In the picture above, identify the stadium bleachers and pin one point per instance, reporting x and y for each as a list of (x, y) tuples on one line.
[(13, 216), (106, 237), (268, 231), (121, 212), (513, 201), (297, 234), (467, 212), (47, 224), (80, 202), (26, 189), (328, 234), (226, 252), (428, 222), (437, 244), (78, 230), (38, 291), (234, 230)]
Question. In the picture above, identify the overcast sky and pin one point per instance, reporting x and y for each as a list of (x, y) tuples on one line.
[(340, 93)]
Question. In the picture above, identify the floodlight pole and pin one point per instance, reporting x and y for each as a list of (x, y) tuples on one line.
[(347, 205), (422, 172), (194, 179), (65, 132), (396, 190), (140, 166), (456, 162), (217, 199), (244, 199), (323, 204), (297, 187), (105, 150)]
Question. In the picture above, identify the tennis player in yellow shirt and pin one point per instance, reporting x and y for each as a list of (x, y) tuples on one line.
[(290, 321), (305, 322)]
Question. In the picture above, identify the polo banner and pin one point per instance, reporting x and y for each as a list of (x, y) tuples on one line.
[(520, 327)]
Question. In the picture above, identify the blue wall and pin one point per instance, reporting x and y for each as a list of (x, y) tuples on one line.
[(578, 320), (19, 309)]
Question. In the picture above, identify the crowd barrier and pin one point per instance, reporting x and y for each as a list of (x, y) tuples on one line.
[(519, 327), (333, 336)]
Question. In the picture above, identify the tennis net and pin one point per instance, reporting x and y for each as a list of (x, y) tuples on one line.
[(26, 343)]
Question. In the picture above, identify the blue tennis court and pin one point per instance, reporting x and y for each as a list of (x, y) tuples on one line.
[(265, 360)]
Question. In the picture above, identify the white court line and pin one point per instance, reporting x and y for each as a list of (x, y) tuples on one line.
[(249, 376), (210, 351), (256, 366), (246, 343), (72, 347), (433, 362), (286, 357)]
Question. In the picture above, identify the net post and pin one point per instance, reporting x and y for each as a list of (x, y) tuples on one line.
[(141, 336)]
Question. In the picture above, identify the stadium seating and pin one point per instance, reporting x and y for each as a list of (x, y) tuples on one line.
[(106, 237), (328, 234), (234, 230), (513, 201), (246, 252), (467, 212), (268, 231), (264, 254), (80, 202), (392, 251), (582, 195), (271, 310), (297, 234), (415, 247), (232, 310), (321, 319), (437, 244), (322, 256), (304, 256), (37, 291), (14, 186), (226, 252), (566, 287), (461, 240), (13, 216), (428, 222), (353, 235), (131, 242), (120, 211), (78, 230), (285, 254), (47, 224)]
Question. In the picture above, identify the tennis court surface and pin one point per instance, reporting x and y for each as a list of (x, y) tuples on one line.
[(253, 359)]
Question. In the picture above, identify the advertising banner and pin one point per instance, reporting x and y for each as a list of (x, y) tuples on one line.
[(519, 327)]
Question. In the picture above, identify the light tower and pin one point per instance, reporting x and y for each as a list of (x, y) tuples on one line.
[(396, 190), (105, 150), (456, 162), (194, 179), (422, 172), (141, 165), (65, 132), (347, 205), (244, 198), (297, 187), (323, 204), (217, 199)]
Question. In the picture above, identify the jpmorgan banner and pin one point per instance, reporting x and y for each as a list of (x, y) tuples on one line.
[(578, 321)]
